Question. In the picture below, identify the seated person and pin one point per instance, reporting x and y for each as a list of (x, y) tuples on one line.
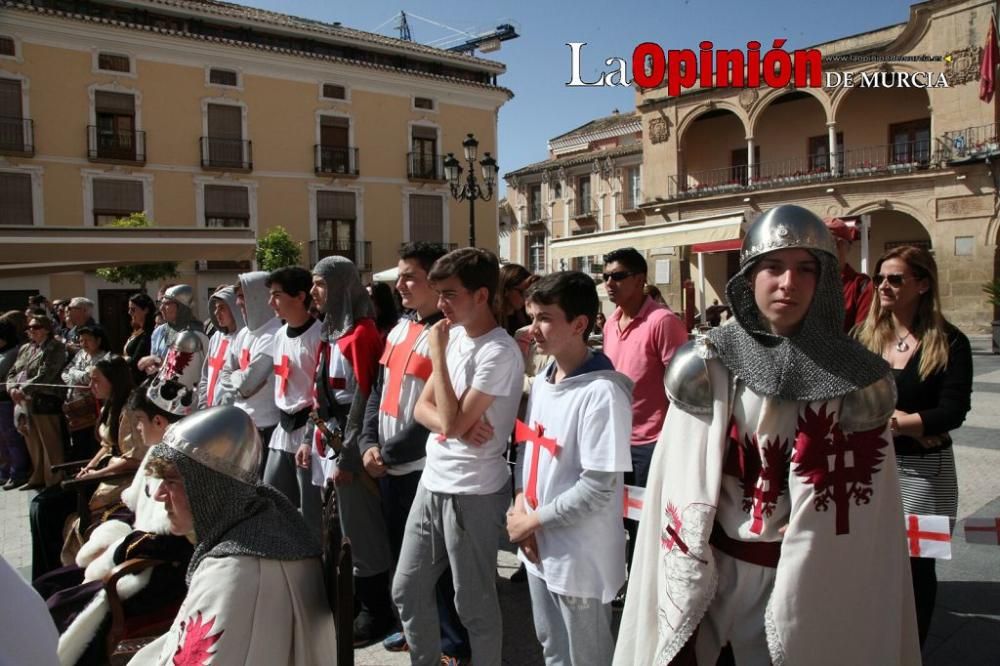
[(256, 593)]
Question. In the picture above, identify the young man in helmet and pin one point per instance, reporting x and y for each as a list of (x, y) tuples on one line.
[(255, 584), (772, 530)]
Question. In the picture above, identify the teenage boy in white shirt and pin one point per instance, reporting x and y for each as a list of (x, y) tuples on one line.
[(567, 513), (469, 405)]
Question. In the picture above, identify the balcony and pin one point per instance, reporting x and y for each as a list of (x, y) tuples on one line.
[(861, 162), (970, 144), (226, 154), (628, 204), (447, 246), (593, 265), (336, 160), (360, 252), (421, 166), (584, 215), (239, 266), (127, 146), (17, 136)]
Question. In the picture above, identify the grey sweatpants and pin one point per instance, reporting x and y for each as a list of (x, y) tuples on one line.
[(295, 483), (463, 531), (573, 631)]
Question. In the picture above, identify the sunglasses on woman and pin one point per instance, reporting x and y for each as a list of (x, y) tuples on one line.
[(894, 279)]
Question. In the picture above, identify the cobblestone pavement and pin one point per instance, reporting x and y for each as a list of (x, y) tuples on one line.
[(966, 629)]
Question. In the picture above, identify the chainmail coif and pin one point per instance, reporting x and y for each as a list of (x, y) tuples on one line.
[(346, 299), (819, 362), (233, 518)]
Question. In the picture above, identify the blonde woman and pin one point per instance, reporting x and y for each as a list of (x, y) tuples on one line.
[(932, 364)]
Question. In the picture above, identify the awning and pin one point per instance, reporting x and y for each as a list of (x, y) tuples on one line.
[(669, 234), (44, 250), (733, 245), (388, 275)]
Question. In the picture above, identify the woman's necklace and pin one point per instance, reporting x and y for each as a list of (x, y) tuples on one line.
[(901, 345)]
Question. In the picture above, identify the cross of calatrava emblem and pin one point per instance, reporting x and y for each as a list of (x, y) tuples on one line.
[(176, 362), (763, 478), (840, 467), (196, 648)]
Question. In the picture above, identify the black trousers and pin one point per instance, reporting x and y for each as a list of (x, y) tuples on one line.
[(923, 570), (47, 515), (641, 457)]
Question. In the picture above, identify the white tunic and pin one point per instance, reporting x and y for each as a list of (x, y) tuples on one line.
[(249, 611), (247, 350), (295, 361), (406, 369)]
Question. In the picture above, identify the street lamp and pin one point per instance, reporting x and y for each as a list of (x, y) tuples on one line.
[(471, 190)]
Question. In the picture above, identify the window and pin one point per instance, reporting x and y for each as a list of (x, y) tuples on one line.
[(115, 198), (426, 218), (336, 220), (910, 142), (536, 252), (15, 199), (424, 162), (114, 133), (223, 77), (555, 189), (583, 202), (224, 145), (333, 91), (7, 46), (114, 62), (738, 162), (425, 103), (819, 152), (12, 123), (535, 202), (632, 194), (334, 149), (965, 246), (227, 206)]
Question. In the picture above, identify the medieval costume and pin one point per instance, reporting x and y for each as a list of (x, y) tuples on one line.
[(348, 363), (772, 509), (255, 584), (211, 391)]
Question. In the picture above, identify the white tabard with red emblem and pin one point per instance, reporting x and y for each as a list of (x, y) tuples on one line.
[(249, 611), (407, 365), (841, 591), (210, 391), (585, 423), (343, 385), (295, 361), (248, 349)]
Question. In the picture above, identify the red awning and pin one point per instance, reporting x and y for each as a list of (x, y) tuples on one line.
[(732, 245)]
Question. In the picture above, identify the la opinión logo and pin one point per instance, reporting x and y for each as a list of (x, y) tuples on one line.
[(708, 67)]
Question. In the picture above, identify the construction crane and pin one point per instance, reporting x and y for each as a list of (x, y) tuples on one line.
[(487, 42), (404, 28)]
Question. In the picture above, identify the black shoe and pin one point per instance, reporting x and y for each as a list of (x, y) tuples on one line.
[(369, 629), (618, 602), (519, 576)]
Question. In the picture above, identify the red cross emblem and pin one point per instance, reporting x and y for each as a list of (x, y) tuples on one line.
[(764, 478), (400, 360), (215, 364), (283, 371), (914, 535), (244, 358), (840, 467), (522, 433)]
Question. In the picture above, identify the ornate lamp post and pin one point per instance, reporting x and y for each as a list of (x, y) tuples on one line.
[(471, 190)]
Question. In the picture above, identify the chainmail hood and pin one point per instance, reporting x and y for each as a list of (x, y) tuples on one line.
[(346, 300), (820, 361)]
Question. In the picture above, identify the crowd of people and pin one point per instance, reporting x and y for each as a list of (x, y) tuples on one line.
[(772, 509)]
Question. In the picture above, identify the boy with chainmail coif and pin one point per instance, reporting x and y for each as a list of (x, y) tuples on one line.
[(772, 530), (255, 584)]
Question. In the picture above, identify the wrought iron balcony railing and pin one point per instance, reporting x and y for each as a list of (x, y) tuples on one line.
[(336, 160), (17, 136), (359, 252), (228, 154), (424, 166), (104, 145)]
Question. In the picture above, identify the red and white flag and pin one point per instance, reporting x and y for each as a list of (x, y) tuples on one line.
[(634, 496), (988, 66), (983, 530), (929, 536)]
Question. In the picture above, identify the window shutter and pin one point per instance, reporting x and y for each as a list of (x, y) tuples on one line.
[(15, 199), (426, 218), (120, 197), (335, 205), (227, 201), (10, 99), (225, 121), (421, 132), (332, 91), (116, 103), (113, 62)]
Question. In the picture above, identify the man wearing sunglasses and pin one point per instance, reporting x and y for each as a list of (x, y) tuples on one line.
[(857, 286), (640, 338)]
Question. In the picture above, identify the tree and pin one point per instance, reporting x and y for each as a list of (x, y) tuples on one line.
[(137, 273), (276, 249)]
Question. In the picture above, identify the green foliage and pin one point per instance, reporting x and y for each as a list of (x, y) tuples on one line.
[(992, 291), (137, 273), (276, 249)]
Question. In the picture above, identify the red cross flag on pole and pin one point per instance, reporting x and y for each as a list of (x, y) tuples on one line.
[(929, 536), (634, 496), (983, 530)]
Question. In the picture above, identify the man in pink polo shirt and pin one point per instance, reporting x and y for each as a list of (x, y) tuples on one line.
[(640, 338)]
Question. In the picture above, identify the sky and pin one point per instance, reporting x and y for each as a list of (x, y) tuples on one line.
[(538, 62)]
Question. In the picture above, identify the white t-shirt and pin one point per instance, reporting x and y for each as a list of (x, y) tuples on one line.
[(295, 361), (590, 418), (248, 347), (491, 364)]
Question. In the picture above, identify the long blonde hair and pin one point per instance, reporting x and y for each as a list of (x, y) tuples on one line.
[(929, 326)]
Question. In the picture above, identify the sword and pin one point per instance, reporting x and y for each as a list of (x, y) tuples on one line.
[(335, 440)]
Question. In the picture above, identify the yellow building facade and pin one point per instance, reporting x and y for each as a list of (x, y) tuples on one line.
[(211, 115)]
